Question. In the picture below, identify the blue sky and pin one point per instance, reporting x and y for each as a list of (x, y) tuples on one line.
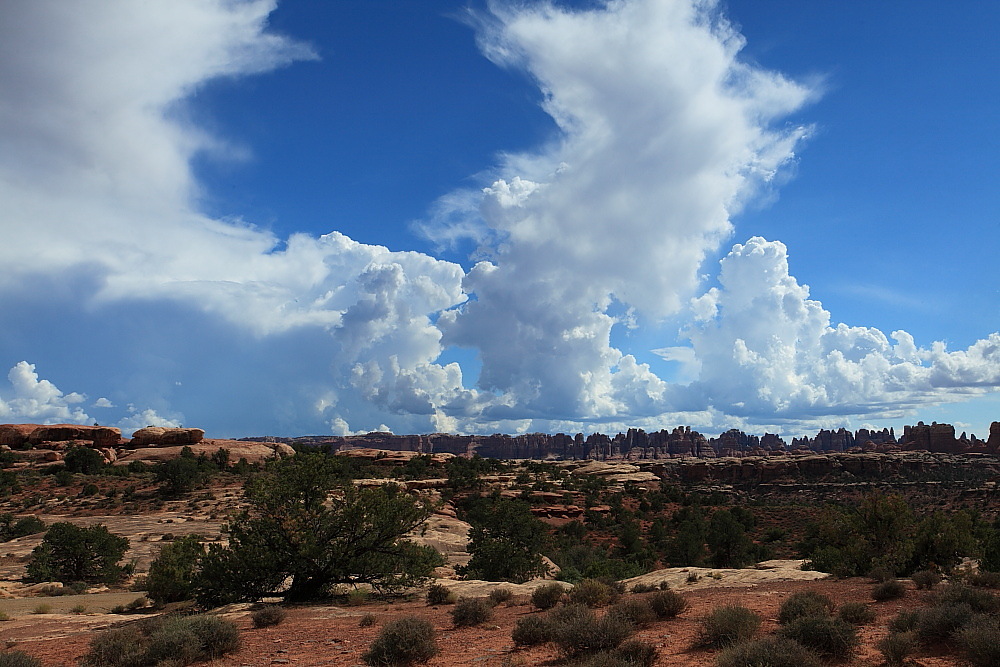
[(347, 216)]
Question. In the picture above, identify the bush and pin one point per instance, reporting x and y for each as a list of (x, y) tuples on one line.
[(439, 594), (941, 622), (532, 630), (636, 652), (985, 579), (828, 636), (767, 652), (118, 647), (267, 616), (981, 602), (893, 589), (547, 596), (593, 593), (582, 633), (43, 608), (980, 642), (644, 588), (925, 579), (18, 659), (897, 647), (727, 625), (500, 595), (403, 641), (856, 613), (11, 529), (471, 611), (804, 603), (171, 574), (667, 604), (71, 553), (904, 621), (175, 641), (635, 611), (83, 460), (367, 621), (357, 597), (505, 542)]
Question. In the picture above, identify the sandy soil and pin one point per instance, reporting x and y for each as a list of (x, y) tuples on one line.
[(330, 635)]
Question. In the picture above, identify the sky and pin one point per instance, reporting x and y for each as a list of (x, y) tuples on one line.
[(296, 218)]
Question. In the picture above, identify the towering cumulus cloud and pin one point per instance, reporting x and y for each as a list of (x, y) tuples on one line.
[(663, 133), (116, 283)]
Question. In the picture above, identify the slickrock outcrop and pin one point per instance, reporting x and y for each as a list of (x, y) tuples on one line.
[(253, 452), (158, 436), (24, 436)]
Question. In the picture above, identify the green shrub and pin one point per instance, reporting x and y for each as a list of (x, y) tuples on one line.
[(584, 634), (78, 609), (357, 597), (4, 616), (547, 596), (42, 608), (942, 621), (593, 593), (980, 642), (636, 652), (828, 636), (117, 647), (804, 603), (172, 572), (925, 579), (667, 604), (267, 616), (897, 647), (438, 594), (644, 588), (216, 636), (403, 641), (983, 579), (367, 621), (981, 602), (500, 595), (881, 574), (727, 625), (18, 659), (532, 630), (904, 621), (856, 613), (635, 611), (84, 460), (471, 611), (892, 589), (767, 652)]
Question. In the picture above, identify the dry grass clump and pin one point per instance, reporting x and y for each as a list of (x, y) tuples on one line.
[(728, 625), (500, 595), (667, 604), (267, 616), (804, 603), (856, 613), (174, 641), (897, 647), (891, 589), (768, 652), (439, 594), (471, 611), (593, 593), (404, 641), (547, 596)]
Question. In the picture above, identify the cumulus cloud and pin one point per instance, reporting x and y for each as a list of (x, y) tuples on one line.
[(664, 133), (769, 352), (34, 400)]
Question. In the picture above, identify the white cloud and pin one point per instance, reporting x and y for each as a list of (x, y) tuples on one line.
[(768, 351), (664, 132), (137, 419), (39, 401)]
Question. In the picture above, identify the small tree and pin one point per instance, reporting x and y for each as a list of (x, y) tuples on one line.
[(179, 475), (70, 553), (84, 460), (171, 575), (307, 525), (728, 541), (505, 541)]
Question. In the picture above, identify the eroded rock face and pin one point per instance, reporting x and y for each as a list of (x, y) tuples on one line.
[(23, 436), (993, 444), (253, 452), (158, 436)]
